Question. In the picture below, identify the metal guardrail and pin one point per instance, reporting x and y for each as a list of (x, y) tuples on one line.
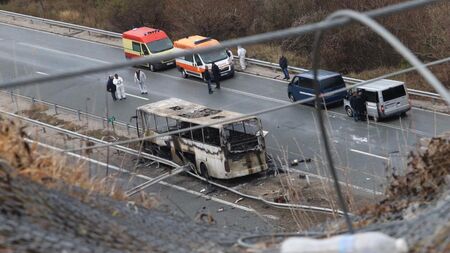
[(348, 80), (60, 23), (257, 62), (80, 114), (178, 168)]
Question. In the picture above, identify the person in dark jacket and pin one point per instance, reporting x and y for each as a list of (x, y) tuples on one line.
[(353, 105), (361, 105), (110, 87), (207, 77), (284, 67), (216, 73)]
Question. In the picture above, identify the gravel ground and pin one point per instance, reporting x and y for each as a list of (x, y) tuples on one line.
[(36, 219)]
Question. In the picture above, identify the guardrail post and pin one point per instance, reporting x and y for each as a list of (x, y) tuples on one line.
[(128, 129), (79, 114), (56, 109), (12, 96), (103, 122), (33, 100)]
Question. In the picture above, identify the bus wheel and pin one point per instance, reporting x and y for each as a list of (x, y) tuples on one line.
[(152, 68), (291, 97), (349, 111), (183, 73), (204, 171)]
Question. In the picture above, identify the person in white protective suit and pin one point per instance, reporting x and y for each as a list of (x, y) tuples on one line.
[(118, 82), (140, 78), (241, 54)]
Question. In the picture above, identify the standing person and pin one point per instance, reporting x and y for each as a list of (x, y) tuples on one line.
[(216, 74), (241, 54), (110, 87), (353, 105), (140, 78), (118, 81), (284, 67), (361, 105), (207, 77)]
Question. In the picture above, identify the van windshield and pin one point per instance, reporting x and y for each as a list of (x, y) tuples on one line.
[(332, 83), (214, 56), (394, 92), (160, 45)]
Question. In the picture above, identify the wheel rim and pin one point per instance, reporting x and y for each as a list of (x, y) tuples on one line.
[(349, 112), (291, 97), (152, 68), (183, 73)]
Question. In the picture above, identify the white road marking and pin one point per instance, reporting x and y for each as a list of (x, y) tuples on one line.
[(42, 73), (148, 178), (224, 88), (359, 139), (62, 35), (229, 89), (369, 154), (131, 95), (62, 52)]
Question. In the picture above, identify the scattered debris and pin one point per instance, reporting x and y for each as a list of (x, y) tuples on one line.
[(205, 112), (202, 190), (281, 199), (238, 200), (220, 210)]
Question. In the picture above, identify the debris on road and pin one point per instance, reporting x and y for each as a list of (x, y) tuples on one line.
[(238, 200)]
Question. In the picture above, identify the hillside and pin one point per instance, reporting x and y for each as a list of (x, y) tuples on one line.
[(353, 49)]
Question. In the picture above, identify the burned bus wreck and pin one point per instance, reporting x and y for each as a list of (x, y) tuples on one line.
[(223, 151)]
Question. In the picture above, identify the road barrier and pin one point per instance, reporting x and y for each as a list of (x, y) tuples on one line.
[(80, 114), (177, 169), (256, 62)]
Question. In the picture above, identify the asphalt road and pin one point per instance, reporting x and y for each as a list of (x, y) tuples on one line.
[(362, 151)]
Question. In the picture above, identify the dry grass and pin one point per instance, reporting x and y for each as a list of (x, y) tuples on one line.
[(55, 171), (272, 53)]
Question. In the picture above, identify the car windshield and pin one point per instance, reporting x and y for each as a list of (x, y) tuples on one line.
[(214, 56), (160, 45)]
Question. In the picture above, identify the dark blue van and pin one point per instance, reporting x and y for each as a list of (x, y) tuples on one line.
[(302, 86)]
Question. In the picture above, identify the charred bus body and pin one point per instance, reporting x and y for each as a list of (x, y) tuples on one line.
[(221, 151)]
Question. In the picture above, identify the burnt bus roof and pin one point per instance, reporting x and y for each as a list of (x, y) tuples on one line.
[(186, 111)]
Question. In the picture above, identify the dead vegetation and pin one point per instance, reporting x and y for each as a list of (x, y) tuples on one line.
[(39, 112), (353, 49), (56, 171), (427, 177)]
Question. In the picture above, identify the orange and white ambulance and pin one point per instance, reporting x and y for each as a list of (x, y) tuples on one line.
[(145, 41), (194, 64)]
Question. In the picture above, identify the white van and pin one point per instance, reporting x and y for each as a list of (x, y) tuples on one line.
[(384, 98)]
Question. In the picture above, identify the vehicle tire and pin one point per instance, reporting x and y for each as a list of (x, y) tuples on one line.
[(403, 114), (349, 111), (204, 171), (152, 67), (183, 73), (291, 97), (375, 118)]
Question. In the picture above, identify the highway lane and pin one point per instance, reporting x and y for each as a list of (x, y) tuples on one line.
[(362, 147)]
